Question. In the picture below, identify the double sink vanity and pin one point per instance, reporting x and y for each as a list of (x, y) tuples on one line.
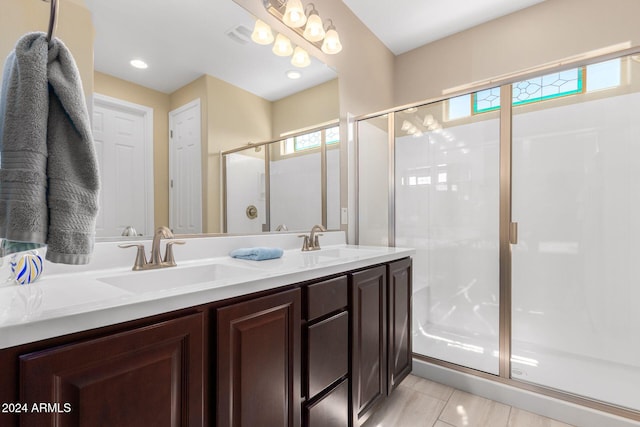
[(314, 338)]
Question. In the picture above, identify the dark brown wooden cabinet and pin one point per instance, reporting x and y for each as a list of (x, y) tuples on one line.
[(369, 345), (399, 274), (323, 353), (381, 334), (258, 362), (326, 367), (150, 376)]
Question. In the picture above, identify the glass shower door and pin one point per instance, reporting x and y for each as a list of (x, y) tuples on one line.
[(576, 267), (447, 207)]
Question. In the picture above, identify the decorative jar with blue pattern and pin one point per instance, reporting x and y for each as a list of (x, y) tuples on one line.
[(26, 268)]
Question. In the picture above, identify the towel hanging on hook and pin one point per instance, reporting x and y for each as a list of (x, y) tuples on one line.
[(53, 19)]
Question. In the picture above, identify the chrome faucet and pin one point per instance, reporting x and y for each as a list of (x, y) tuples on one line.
[(156, 261), (311, 242)]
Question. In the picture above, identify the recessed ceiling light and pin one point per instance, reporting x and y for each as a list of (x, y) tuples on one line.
[(138, 63), (293, 74)]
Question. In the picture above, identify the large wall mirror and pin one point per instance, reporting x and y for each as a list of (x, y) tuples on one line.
[(207, 89), (289, 184)]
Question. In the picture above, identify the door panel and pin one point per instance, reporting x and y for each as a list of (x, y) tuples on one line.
[(369, 347), (146, 377), (259, 362), (119, 135), (400, 277), (185, 186)]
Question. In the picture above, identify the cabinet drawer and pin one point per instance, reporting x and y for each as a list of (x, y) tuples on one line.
[(332, 410), (327, 296), (328, 352)]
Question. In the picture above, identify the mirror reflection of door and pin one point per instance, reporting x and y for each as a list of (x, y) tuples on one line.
[(185, 166), (122, 133)]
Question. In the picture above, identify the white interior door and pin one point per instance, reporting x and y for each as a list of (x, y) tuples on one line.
[(123, 136), (185, 169)]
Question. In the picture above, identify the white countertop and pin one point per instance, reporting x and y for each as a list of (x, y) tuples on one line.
[(66, 300)]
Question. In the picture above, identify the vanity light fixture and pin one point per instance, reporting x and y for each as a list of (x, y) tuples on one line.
[(262, 33), (282, 46), (331, 44), (313, 31), (300, 58), (139, 63), (294, 15)]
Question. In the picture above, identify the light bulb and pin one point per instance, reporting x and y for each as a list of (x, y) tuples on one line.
[(138, 63), (282, 46), (294, 14), (314, 31), (262, 33), (300, 58), (331, 44)]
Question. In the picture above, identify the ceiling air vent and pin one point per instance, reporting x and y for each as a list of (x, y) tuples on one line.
[(239, 34)]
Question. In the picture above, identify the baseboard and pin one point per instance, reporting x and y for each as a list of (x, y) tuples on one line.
[(567, 412)]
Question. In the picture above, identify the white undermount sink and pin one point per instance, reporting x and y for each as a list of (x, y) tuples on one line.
[(175, 277)]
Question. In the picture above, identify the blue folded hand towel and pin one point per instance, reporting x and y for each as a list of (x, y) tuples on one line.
[(256, 254)]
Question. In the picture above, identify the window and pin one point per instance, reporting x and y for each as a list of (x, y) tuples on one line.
[(591, 78), (311, 140), (554, 85)]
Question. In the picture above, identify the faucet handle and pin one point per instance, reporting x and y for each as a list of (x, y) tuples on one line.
[(316, 241), (164, 232), (141, 258), (168, 252), (305, 242)]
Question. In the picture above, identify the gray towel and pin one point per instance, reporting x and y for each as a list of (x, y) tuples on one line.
[(49, 178)]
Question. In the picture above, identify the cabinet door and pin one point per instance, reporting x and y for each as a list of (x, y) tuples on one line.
[(258, 370), (145, 377), (369, 347), (399, 322)]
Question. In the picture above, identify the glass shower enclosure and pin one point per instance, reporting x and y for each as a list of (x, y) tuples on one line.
[(522, 203)]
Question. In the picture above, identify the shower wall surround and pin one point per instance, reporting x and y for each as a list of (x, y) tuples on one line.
[(575, 195)]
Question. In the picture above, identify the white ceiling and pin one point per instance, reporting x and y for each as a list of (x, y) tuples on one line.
[(183, 39), (403, 25)]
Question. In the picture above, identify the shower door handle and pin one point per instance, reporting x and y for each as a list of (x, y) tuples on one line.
[(513, 233)]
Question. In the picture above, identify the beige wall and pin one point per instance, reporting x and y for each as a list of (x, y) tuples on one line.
[(544, 33), (75, 29), (365, 65), (116, 88), (311, 107), (236, 117), (231, 117), (365, 70)]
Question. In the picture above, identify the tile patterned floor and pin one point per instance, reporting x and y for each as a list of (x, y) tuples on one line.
[(421, 403)]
